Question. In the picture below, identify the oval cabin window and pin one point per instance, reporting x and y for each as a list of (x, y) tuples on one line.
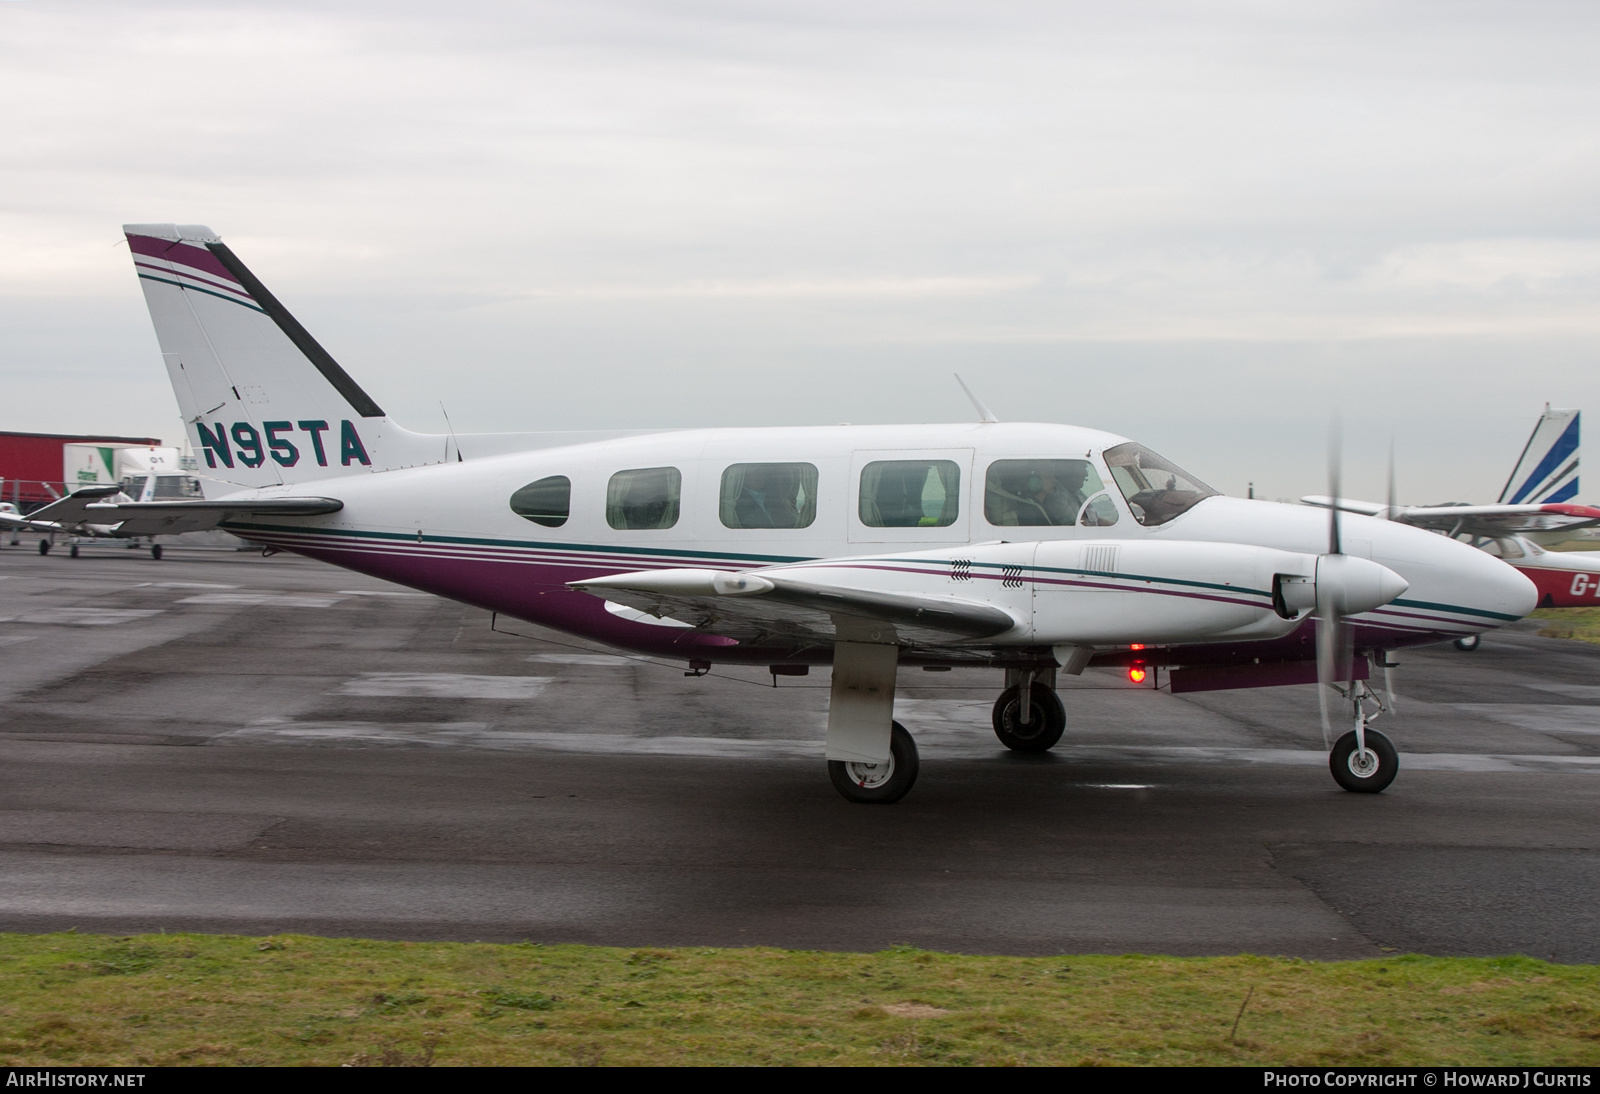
[(547, 502)]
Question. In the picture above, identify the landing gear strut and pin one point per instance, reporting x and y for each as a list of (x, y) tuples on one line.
[(1035, 726), (1363, 761)]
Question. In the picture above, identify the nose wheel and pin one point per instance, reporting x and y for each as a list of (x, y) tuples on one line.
[(1366, 770), (878, 784), (1364, 761)]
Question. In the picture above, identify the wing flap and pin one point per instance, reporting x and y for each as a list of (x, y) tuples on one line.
[(753, 606)]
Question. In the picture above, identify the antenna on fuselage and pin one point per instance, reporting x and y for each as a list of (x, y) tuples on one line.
[(984, 413)]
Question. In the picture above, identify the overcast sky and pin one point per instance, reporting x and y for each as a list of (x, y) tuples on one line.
[(1205, 226)]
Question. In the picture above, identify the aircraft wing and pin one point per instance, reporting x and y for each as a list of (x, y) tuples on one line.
[(1476, 520), (153, 518), (751, 607)]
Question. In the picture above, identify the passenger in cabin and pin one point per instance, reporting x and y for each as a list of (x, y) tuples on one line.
[(767, 499), (644, 498)]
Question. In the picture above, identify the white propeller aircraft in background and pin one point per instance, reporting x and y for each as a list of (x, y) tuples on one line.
[(1032, 549)]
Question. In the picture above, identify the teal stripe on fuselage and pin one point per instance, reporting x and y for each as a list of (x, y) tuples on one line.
[(473, 541)]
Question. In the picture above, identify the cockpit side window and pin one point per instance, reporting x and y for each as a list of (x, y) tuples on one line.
[(1038, 492), (1156, 489)]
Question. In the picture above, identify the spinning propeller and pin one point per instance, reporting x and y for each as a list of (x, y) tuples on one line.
[(1346, 586)]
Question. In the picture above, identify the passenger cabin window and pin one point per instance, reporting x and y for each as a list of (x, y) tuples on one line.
[(645, 498), (547, 502), (1032, 493), (1156, 490), (769, 495), (910, 494)]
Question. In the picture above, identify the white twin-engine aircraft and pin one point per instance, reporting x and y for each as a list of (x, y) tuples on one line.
[(1032, 549)]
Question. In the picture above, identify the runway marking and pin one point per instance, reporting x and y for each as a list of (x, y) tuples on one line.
[(276, 600), (1540, 717), (443, 685), (84, 617), (182, 585), (578, 659)]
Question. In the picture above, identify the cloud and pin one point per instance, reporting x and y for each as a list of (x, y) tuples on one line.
[(1124, 211)]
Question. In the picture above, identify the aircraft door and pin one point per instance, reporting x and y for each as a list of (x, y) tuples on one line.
[(910, 496)]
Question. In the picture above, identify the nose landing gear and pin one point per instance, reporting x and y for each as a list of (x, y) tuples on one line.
[(1363, 760)]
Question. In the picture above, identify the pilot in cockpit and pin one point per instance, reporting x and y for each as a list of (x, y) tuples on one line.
[(1049, 492)]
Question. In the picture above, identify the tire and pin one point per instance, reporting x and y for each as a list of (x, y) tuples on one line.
[(72, 552), (1350, 776), (44, 546), (1468, 644), (155, 551), (1046, 722), (866, 784)]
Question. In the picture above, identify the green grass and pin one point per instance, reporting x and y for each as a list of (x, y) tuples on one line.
[(205, 999), (1582, 624)]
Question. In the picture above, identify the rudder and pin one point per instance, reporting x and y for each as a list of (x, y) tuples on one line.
[(262, 402)]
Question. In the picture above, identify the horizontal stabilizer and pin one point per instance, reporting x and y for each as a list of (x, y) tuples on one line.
[(166, 518)]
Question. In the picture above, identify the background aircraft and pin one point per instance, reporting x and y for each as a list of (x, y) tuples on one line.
[(1535, 510), (1029, 548)]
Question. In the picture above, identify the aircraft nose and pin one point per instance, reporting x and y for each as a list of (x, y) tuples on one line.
[(1517, 590)]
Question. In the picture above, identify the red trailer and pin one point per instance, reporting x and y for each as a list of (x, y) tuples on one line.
[(30, 464)]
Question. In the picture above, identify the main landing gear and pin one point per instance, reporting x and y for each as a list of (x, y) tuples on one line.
[(1364, 761), (1468, 643), (879, 784), (872, 759), (1034, 726)]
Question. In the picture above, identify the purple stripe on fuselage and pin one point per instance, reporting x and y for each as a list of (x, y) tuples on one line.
[(182, 253)]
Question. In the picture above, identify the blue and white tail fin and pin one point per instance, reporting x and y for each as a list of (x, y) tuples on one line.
[(262, 402), (1547, 471)]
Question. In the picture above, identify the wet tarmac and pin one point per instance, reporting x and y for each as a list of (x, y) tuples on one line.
[(223, 742)]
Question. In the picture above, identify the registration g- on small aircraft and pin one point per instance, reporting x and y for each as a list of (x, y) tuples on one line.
[(1031, 549), (1535, 510)]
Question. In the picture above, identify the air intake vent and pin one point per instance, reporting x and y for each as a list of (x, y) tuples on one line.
[(1100, 560)]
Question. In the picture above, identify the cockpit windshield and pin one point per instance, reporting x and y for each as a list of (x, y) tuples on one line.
[(1157, 489)]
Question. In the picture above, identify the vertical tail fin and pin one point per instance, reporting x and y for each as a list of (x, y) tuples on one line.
[(1547, 470), (262, 402)]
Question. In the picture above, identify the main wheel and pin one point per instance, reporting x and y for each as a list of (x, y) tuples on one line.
[(1046, 721), (1367, 773), (155, 551), (1469, 643), (879, 784), (72, 552), (44, 546)]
